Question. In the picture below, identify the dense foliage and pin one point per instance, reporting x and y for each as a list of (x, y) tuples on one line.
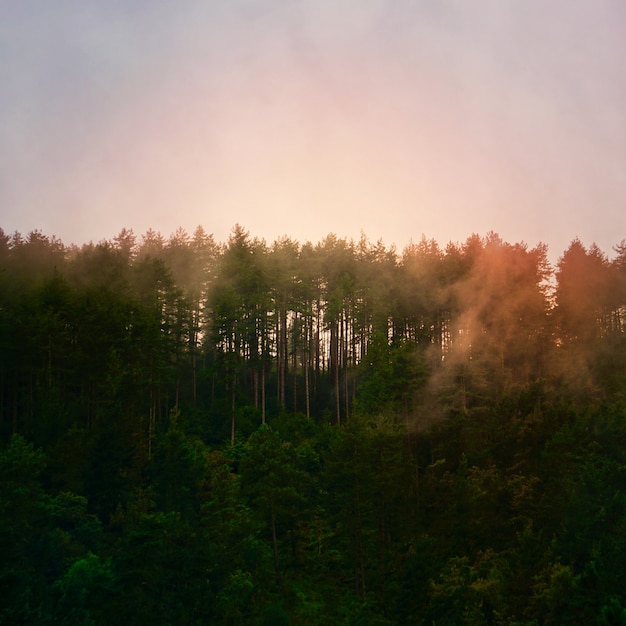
[(243, 433)]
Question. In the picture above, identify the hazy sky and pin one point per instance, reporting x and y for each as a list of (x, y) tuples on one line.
[(393, 117)]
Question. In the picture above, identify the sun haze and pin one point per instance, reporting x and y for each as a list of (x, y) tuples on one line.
[(304, 118)]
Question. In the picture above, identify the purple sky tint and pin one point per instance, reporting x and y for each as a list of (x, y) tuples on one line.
[(306, 117)]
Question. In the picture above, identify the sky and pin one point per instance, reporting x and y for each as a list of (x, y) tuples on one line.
[(300, 118)]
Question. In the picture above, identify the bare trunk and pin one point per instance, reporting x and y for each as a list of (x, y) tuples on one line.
[(232, 416), (255, 387), (307, 393), (344, 361), (281, 356), (263, 393), (334, 361), (285, 356), (194, 378)]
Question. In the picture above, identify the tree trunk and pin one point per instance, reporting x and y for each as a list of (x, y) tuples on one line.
[(334, 361), (232, 416), (263, 393), (307, 392), (285, 356)]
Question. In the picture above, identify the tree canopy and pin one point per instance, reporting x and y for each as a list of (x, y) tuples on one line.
[(309, 433)]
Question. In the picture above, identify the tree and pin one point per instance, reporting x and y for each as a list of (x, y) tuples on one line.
[(239, 316), (585, 315), (582, 294), (22, 580), (85, 592), (274, 485), (339, 283), (126, 243), (160, 330), (499, 336)]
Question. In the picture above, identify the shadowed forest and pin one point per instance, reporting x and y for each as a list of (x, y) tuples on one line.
[(243, 433)]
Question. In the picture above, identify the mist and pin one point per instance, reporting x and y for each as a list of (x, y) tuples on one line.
[(470, 324)]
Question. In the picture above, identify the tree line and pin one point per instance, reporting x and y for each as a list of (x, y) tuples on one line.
[(186, 321), (309, 432)]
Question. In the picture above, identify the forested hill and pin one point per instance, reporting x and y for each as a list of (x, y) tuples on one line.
[(196, 432)]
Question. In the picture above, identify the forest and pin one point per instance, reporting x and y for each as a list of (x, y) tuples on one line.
[(244, 433)]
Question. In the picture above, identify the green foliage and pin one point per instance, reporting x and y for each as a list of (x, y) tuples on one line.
[(318, 434), (22, 519), (612, 613), (85, 591)]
